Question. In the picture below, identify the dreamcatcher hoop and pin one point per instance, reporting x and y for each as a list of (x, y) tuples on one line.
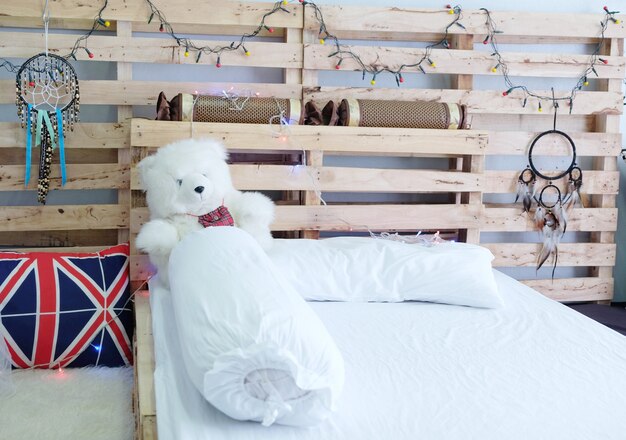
[(569, 168), (44, 70)]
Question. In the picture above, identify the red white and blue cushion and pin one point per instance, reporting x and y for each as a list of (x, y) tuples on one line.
[(66, 309)]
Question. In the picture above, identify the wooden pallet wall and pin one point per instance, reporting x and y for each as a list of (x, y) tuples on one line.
[(593, 123), (99, 154)]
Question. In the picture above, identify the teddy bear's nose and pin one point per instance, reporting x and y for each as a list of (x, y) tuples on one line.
[(199, 189)]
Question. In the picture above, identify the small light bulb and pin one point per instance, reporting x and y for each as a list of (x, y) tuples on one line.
[(247, 53), (451, 11), (586, 83), (186, 53), (322, 41), (494, 70), (373, 82)]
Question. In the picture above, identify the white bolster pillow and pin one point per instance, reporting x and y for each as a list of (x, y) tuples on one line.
[(250, 343), (377, 270)]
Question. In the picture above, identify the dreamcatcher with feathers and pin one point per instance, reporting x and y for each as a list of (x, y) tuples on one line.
[(550, 217)]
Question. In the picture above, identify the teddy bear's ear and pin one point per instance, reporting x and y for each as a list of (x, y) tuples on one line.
[(217, 150), (145, 166)]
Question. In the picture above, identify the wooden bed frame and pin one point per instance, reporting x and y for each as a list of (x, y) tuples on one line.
[(101, 155)]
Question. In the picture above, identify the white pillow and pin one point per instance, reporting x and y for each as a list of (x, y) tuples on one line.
[(369, 269), (251, 345)]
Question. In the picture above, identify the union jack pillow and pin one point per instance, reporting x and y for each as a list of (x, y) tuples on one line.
[(66, 309)]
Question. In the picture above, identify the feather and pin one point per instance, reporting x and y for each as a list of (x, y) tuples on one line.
[(552, 232), (561, 216), (525, 191), (539, 220), (573, 197)]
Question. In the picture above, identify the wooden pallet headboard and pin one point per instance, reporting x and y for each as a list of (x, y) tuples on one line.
[(99, 153)]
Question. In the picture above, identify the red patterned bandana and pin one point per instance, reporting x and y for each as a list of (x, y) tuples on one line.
[(218, 217)]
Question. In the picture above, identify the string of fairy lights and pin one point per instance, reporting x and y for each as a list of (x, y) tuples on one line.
[(583, 80), (342, 52), (191, 46), (424, 63)]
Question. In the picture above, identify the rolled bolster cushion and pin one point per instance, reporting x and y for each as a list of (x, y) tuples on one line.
[(405, 114), (250, 343)]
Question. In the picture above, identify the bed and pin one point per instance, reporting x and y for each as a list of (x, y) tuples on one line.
[(533, 369)]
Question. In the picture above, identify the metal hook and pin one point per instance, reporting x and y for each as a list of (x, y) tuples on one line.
[(555, 104)]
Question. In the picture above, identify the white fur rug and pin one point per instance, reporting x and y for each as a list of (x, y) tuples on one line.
[(81, 403)]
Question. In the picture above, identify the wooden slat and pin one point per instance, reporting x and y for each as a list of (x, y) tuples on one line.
[(17, 156), (607, 124), (477, 101), (144, 349), (416, 35), (124, 115), (316, 56), (85, 135), (89, 176), (72, 249), (313, 159), (321, 138), (395, 19), (301, 178), (461, 82), (574, 289), (531, 122), (582, 219), (151, 50), (361, 217), (61, 217), (202, 12), (59, 239), (587, 144), (181, 28), (100, 92), (570, 254), (595, 182)]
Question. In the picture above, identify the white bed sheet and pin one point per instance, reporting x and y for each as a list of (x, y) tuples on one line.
[(533, 369)]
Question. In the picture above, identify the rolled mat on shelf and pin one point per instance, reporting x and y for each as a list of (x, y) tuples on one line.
[(218, 109), (242, 110), (402, 114)]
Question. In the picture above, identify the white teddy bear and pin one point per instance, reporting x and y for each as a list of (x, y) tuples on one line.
[(187, 186)]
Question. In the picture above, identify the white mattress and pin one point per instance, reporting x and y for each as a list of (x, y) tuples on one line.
[(533, 369)]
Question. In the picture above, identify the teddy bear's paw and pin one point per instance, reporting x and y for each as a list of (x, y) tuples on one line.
[(157, 237), (254, 209)]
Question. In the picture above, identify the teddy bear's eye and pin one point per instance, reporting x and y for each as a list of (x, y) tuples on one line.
[(179, 181)]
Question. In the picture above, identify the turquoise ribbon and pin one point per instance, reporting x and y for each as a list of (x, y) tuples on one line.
[(43, 118), (61, 146), (29, 144)]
